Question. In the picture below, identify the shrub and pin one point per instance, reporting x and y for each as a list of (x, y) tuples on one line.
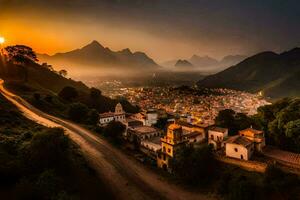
[(78, 112)]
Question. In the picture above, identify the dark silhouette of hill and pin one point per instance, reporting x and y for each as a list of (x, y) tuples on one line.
[(37, 76), (277, 75), (34, 78), (95, 56)]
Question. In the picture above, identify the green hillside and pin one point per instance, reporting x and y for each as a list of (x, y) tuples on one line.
[(277, 75)]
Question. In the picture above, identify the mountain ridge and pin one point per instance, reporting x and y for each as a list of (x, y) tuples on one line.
[(269, 72), (96, 56)]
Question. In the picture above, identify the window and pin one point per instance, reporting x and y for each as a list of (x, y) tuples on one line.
[(235, 149), (164, 149), (164, 156), (212, 137), (169, 150), (242, 157)]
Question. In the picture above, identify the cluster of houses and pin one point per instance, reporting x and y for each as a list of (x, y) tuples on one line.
[(162, 146)]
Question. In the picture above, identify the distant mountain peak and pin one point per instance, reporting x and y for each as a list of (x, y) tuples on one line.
[(183, 63), (94, 45), (126, 51)]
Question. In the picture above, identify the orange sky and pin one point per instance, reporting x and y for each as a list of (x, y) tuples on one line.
[(163, 29)]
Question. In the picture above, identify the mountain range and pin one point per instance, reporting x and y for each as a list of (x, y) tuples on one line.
[(206, 63), (276, 75), (94, 56)]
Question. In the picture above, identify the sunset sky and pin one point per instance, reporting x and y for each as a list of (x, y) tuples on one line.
[(164, 29)]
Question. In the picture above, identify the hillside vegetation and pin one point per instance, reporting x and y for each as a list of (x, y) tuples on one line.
[(42, 163), (276, 75)]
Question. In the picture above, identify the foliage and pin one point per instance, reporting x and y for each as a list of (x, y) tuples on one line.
[(280, 121), (233, 121), (20, 54), (162, 123), (63, 72), (194, 165), (78, 112), (41, 163), (93, 117), (114, 131), (95, 93), (68, 93)]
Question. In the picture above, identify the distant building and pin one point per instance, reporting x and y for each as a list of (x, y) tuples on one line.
[(239, 147), (170, 143), (255, 136), (118, 115), (140, 133), (192, 132), (216, 137), (149, 118)]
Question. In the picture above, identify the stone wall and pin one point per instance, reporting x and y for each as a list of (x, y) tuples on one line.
[(247, 165)]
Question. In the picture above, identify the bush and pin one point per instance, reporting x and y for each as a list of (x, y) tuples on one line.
[(47, 149), (114, 131), (68, 93), (194, 165), (78, 112)]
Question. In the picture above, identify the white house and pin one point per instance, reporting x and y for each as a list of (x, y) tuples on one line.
[(216, 137), (151, 117), (148, 118), (239, 147), (118, 115)]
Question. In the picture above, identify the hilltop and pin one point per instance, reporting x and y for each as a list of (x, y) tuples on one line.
[(276, 75), (94, 56)]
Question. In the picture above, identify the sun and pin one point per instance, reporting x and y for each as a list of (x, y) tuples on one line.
[(2, 40)]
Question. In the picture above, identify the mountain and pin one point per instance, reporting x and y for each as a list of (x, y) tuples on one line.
[(208, 64), (183, 63), (277, 75), (230, 60), (95, 56), (203, 61)]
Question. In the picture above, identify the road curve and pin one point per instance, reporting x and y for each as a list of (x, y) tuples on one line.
[(128, 178)]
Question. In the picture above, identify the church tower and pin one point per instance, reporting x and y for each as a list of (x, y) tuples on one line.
[(119, 109), (170, 144)]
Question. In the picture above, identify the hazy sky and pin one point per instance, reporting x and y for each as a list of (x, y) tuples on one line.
[(164, 29)]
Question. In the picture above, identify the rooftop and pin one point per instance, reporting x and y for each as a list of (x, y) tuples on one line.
[(174, 126), (218, 129), (192, 134), (142, 130), (251, 130), (241, 140)]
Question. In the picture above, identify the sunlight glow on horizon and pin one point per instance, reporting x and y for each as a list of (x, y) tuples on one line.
[(2, 40)]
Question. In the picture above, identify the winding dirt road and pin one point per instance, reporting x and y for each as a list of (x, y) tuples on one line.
[(128, 178)]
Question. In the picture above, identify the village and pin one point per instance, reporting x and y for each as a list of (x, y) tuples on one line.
[(161, 145), (202, 105)]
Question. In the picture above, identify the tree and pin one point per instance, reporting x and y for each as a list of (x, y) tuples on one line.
[(48, 149), (114, 131), (20, 54), (93, 117), (194, 165), (68, 93), (95, 93), (37, 96), (78, 112), (63, 72)]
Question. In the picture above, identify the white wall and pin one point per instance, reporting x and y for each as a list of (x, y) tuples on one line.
[(241, 150)]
